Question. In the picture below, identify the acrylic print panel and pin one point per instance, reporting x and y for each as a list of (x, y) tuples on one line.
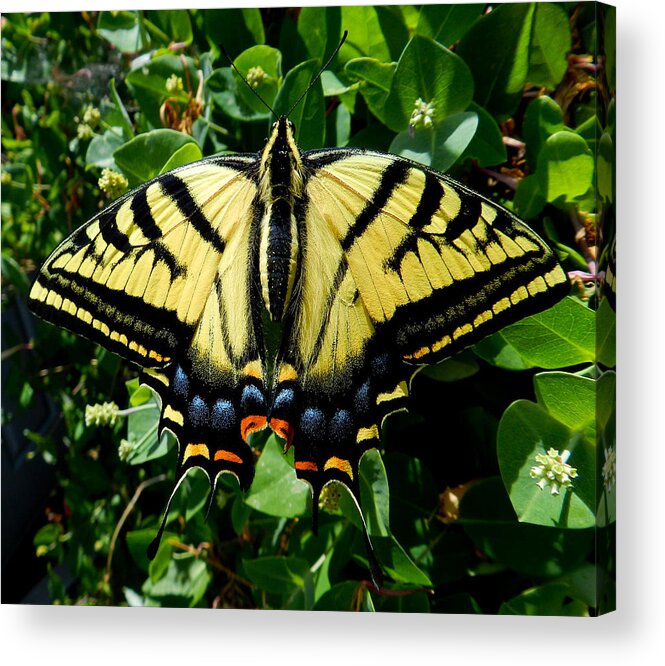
[(492, 490)]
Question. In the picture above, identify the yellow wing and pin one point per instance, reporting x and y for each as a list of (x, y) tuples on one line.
[(163, 277), (401, 266)]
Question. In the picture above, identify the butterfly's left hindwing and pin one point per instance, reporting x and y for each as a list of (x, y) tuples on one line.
[(156, 278)]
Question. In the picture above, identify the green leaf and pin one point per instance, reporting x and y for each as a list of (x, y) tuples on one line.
[(431, 72), (270, 61), (194, 494), (486, 146), (561, 336), (582, 584), (495, 349), (610, 45), (565, 168), (224, 88), (397, 563), (138, 542), (439, 146), (125, 122), (496, 50), (175, 23), (550, 599), (413, 499), (366, 38), (375, 78), (447, 23), (458, 367), (375, 493), (123, 29), (526, 430), (529, 200), (183, 584), (489, 519), (606, 411), (101, 148), (276, 490), (320, 29), (590, 130), (47, 535), (277, 574), (309, 115), (606, 168), (333, 86), (146, 155), (606, 334), (393, 28), (236, 29), (543, 118), (340, 597), (570, 399), (186, 154), (240, 513), (14, 274), (340, 129), (142, 426), (550, 44)]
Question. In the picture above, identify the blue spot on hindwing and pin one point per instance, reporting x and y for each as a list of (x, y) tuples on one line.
[(223, 415), (284, 399), (313, 423), (341, 425), (362, 401), (199, 414), (252, 399), (180, 382), (380, 365)]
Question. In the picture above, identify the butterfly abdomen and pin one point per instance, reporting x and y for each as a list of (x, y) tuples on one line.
[(279, 252)]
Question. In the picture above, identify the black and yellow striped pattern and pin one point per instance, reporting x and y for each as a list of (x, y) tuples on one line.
[(374, 265)]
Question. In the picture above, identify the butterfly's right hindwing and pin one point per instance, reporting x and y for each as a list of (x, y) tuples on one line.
[(401, 267)]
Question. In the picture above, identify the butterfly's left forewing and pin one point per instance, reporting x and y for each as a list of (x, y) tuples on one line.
[(156, 278)]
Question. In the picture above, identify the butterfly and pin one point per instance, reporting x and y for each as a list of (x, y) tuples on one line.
[(372, 265)]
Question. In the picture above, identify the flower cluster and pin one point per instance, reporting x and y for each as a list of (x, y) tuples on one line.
[(610, 468), (174, 84), (553, 471), (101, 414), (112, 183), (91, 119), (422, 114), (255, 77), (125, 449)]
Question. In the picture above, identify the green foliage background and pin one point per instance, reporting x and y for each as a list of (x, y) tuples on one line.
[(523, 112)]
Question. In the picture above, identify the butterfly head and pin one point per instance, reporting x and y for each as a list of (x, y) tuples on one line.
[(283, 124), (281, 153)]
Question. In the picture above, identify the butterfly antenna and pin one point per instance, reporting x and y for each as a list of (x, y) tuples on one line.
[(316, 78), (228, 57)]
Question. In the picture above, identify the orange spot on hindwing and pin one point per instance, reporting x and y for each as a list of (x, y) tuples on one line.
[(306, 466), (223, 454), (251, 424), (284, 429)]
